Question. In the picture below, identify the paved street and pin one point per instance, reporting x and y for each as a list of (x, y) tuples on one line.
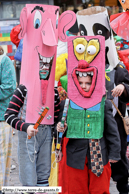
[(14, 174), (14, 177)]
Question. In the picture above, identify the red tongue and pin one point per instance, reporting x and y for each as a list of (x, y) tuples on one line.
[(44, 84)]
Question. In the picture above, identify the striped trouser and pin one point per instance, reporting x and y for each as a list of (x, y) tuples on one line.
[(5, 153)]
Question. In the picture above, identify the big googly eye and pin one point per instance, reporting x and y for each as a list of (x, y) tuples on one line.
[(123, 1), (99, 32), (37, 19), (91, 50), (82, 30), (99, 29), (80, 48), (82, 33)]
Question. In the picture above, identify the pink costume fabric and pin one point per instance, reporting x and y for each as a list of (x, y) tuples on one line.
[(40, 25), (97, 66)]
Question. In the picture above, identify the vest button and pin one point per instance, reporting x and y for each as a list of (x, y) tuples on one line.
[(88, 132), (88, 125), (88, 116)]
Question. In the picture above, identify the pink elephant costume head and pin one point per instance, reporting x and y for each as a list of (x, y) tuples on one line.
[(41, 27), (86, 57)]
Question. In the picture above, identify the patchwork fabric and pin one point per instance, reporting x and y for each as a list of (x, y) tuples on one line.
[(96, 157)]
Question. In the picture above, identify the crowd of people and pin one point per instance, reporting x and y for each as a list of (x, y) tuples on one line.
[(94, 142)]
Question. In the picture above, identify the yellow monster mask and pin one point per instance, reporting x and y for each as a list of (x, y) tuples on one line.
[(85, 50)]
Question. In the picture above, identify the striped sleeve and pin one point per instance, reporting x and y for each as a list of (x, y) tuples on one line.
[(11, 114), (56, 105)]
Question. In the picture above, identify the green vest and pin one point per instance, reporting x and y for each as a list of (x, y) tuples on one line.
[(85, 124)]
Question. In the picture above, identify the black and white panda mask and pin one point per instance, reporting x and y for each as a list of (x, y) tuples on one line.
[(95, 21)]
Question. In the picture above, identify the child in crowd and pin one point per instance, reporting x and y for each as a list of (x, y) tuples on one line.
[(39, 31), (80, 176), (35, 152), (95, 21), (88, 154)]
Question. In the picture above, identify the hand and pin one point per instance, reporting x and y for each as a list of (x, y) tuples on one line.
[(31, 131), (61, 129), (112, 161), (59, 156), (118, 90)]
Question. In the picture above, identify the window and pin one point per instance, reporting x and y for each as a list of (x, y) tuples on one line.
[(12, 9)]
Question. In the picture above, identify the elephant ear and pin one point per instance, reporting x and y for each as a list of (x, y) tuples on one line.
[(66, 21), (23, 22)]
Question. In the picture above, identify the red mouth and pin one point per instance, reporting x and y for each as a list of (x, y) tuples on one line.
[(84, 72)]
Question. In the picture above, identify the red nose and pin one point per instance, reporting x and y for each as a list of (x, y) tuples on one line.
[(83, 64)]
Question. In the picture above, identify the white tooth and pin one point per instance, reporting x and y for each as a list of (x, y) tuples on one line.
[(41, 56), (44, 59), (84, 74), (88, 73), (76, 72), (51, 58), (80, 74), (48, 60), (92, 73)]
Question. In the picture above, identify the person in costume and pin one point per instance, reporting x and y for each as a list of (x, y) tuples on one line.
[(7, 87), (92, 131), (93, 21), (119, 21), (40, 29)]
